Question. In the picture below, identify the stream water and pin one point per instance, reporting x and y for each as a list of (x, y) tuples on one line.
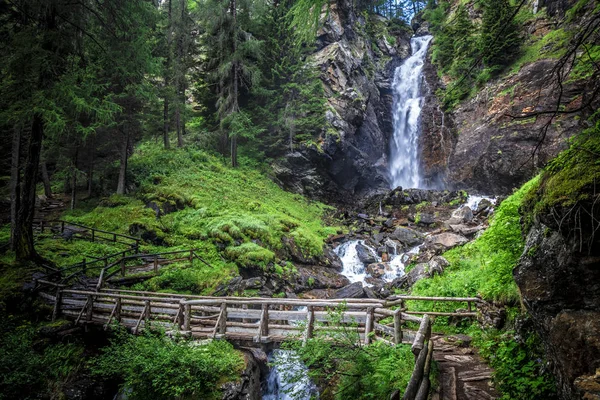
[(288, 379), (404, 165)]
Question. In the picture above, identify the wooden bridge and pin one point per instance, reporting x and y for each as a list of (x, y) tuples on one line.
[(261, 320)]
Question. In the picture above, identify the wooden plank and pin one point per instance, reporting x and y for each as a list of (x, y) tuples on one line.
[(263, 325), (47, 296), (426, 298)]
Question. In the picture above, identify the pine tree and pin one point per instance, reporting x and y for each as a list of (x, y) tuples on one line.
[(500, 36)]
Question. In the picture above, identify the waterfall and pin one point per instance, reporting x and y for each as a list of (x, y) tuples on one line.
[(288, 378), (404, 157)]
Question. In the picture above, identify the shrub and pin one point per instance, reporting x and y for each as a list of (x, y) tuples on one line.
[(154, 366)]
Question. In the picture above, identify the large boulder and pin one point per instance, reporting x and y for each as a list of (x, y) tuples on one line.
[(352, 291), (408, 237), (461, 216), (446, 240), (365, 254), (377, 270)]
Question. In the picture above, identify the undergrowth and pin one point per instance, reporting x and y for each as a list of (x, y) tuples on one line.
[(179, 368)]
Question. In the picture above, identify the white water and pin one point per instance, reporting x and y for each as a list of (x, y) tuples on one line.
[(355, 270), (288, 378), (473, 201), (408, 102)]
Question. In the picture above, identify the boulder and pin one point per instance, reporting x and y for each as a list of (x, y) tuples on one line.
[(466, 230), (461, 216), (353, 291), (437, 265), (424, 219), (377, 270), (408, 237), (315, 277), (447, 240), (483, 205), (365, 254)]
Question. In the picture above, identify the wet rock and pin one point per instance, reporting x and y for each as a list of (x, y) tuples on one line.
[(370, 293), (378, 238), (365, 255), (389, 223), (483, 205), (248, 386), (353, 291), (447, 240), (391, 247), (295, 252), (377, 270), (315, 277), (408, 237), (233, 286), (331, 260), (363, 216), (424, 219), (318, 294)]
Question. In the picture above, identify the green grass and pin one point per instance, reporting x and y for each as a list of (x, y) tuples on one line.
[(551, 45), (484, 266), (234, 217)]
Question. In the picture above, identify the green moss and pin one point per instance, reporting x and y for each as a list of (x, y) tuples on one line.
[(571, 177), (250, 255)]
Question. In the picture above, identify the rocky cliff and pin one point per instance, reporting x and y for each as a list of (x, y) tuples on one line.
[(480, 146), (356, 57), (559, 279)]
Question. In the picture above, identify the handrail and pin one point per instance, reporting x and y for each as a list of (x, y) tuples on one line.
[(61, 221)]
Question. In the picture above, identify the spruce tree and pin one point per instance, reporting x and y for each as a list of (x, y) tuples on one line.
[(500, 36)]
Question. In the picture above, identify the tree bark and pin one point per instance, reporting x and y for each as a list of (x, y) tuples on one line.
[(15, 183), (46, 179), (90, 182), (123, 165), (23, 230), (74, 179), (235, 107), (167, 82)]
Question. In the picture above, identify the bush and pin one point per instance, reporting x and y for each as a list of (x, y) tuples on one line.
[(29, 367), (153, 366)]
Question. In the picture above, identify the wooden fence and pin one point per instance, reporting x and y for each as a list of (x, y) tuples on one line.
[(86, 232)]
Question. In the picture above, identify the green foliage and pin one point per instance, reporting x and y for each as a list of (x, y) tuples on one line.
[(155, 366), (519, 371), (347, 371), (29, 367), (238, 214), (500, 36), (572, 176), (484, 267)]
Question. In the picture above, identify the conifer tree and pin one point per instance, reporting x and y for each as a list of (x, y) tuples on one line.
[(500, 36)]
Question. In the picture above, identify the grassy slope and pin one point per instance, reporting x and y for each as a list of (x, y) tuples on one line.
[(235, 217)]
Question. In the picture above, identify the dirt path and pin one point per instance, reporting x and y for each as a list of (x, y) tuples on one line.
[(463, 375)]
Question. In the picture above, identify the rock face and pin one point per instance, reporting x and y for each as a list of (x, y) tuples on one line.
[(356, 59), (559, 279), (479, 146)]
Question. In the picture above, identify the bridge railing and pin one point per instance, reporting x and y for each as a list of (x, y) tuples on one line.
[(257, 319)]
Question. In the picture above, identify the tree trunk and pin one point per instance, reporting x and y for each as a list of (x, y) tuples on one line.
[(90, 182), (167, 82), (235, 106), (46, 179), (15, 183), (178, 125), (23, 230), (74, 179), (123, 166)]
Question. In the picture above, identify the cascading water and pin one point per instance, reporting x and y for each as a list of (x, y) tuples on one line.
[(288, 378), (404, 157)]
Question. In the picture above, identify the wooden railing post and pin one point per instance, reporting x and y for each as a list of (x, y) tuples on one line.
[(263, 326), (422, 334), (223, 321), (369, 325), (93, 234), (192, 257), (310, 324), (118, 310), (57, 301), (90, 310), (187, 320), (42, 226), (137, 246), (156, 264), (469, 306), (398, 326), (84, 266), (115, 237), (181, 316), (62, 226), (122, 267)]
